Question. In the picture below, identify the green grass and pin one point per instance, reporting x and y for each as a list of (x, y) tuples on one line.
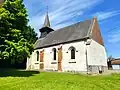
[(33, 80)]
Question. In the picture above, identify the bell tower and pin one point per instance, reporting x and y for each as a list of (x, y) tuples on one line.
[(46, 27)]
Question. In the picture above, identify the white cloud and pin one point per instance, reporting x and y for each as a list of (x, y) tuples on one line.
[(114, 37), (59, 11), (105, 15)]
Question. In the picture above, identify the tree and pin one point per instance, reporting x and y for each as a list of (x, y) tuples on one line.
[(18, 49), (16, 36), (110, 58), (18, 19)]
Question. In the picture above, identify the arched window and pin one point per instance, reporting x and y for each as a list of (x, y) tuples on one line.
[(72, 50), (37, 55), (54, 53)]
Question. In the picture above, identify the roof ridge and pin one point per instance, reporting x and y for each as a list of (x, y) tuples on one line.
[(73, 24), (90, 28)]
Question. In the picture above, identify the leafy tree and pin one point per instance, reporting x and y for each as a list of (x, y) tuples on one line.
[(18, 18), (17, 49), (110, 58), (16, 36)]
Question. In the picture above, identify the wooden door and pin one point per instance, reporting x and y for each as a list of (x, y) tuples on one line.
[(60, 59), (42, 60)]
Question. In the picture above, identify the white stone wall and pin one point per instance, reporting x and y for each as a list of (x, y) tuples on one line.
[(32, 62), (96, 54), (48, 58), (80, 58)]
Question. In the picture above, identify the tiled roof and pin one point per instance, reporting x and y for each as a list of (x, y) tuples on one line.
[(70, 33)]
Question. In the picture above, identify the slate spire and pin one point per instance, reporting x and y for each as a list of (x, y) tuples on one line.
[(46, 22), (46, 27)]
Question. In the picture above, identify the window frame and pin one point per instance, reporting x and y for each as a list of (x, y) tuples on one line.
[(37, 52), (54, 53), (72, 52)]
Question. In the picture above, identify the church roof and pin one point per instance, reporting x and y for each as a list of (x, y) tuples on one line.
[(70, 33)]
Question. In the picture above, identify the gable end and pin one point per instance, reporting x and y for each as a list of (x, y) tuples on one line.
[(95, 32)]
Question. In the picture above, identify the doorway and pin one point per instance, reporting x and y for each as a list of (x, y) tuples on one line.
[(41, 60), (60, 59)]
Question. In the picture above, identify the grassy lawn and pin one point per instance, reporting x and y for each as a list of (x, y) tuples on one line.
[(33, 80)]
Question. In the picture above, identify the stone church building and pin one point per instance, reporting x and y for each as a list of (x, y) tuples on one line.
[(78, 47)]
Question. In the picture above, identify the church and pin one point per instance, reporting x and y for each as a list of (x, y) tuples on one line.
[(75, 48)]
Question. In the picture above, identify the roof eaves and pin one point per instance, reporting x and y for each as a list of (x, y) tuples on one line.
[(86, 37)]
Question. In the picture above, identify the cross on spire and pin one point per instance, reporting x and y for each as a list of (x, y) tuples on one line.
[(46, 22), (47, 9)]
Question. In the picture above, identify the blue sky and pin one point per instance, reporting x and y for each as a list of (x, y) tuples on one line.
[(66, 12)]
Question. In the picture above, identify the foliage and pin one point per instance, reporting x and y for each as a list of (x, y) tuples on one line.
[(17, 51), (110, 58), (13, 15), (16, 36)]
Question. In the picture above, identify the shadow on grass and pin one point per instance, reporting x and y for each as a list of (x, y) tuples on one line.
[(16, 73)]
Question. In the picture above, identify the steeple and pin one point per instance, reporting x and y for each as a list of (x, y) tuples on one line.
[(47, 22), (46, 27)]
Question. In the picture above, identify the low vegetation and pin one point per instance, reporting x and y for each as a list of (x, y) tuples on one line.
[(33, 80)]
